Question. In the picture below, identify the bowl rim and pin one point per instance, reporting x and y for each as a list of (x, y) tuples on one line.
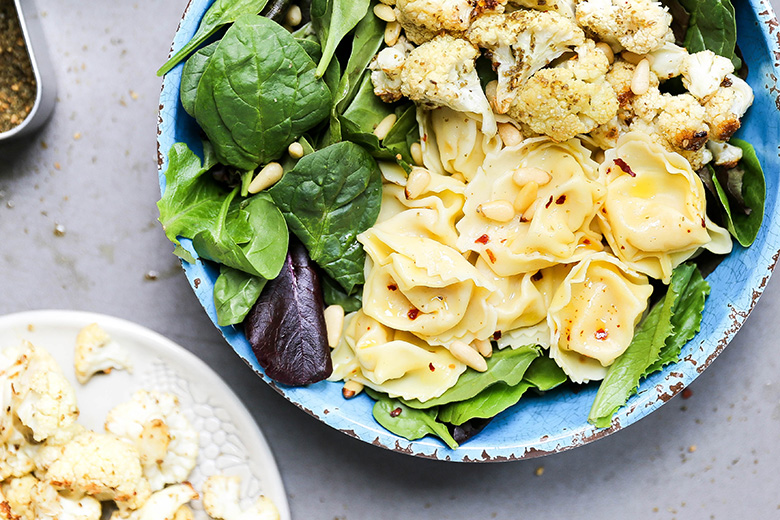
[(666, 384)]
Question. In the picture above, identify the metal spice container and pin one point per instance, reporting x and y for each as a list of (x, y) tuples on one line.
[(27, 86)]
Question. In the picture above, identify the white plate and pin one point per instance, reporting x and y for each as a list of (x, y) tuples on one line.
[(230, 440)]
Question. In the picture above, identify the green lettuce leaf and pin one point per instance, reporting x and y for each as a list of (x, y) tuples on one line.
[(407, 422), (235, 292)]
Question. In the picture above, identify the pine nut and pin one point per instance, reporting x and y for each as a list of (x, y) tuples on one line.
[(640, 81), (267, 177), (491, 90), (384, 126), (417, 154), (384, 12), (351, 389), (294, 16), (528, 214), (498, 210), (523, 176), (509, 133), (526, 196), (484, 347), (416, 184), (295, 150), (392, 33), (468, 356), (334, 322), (631, 57), (607, 50)]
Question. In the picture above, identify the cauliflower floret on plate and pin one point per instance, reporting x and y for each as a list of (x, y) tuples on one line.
[(564, 7), (520, 43), (441, 73), (726, 106), (640, 26), (17, 493), (386, 70), (49, 504), (724, 154), (102, 466), (667, 61), (696, 158), (221, 496), (422, 20), (97, 352), (703, 72), (166, 441), (166, 504)]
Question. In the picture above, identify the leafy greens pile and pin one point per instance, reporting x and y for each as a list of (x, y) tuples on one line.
[(254, 88)]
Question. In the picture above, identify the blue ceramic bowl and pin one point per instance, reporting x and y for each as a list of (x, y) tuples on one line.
[(556, 421)]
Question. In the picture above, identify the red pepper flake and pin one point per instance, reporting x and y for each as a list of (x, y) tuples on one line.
[(623, 165), (482, 240), (396, 412), (413, 314), (549, 202), (601, 334), (560, 200), (537, 276), (586, 242), (431, 367), (491, 256), (392, 287), (703, 223), (687, 393), (497, 335)]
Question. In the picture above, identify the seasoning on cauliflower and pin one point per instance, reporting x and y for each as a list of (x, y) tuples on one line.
[(726, 106), (725, 154), (422, 20), (166, 442), (17, 493), (696, 158), (46, 453), (102, 466), (520, 43), (97, 352), (640, 26), (441, 73), (564, 7), (48, 504), (16, 455), (666, 61), (703, 72), (386, 69), (163, 504), (221, 500)]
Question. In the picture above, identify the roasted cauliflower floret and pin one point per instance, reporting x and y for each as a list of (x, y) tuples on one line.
[(703, 72), (102, 466), (16, 455), (48, 504), (424, 19), (97, 352), (564, 7), (620, 76), (696, 158), (724, 154), (441, 73), (221, 496), (667, 61), (640, 26), (726, 106), (163, 504), (605, 136), (520, 43), (17, 493), (386, 70), (166, 442)]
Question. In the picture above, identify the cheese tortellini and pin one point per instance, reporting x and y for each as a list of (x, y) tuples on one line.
[(654, 215), (554, 193)]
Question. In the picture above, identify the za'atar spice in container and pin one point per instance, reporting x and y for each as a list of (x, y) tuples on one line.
[(17, 80)]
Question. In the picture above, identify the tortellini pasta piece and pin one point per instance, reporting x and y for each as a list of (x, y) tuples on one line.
[(654, 215), (392, 361), (593, 314), (421, 286), (453, 142), (556, 227)]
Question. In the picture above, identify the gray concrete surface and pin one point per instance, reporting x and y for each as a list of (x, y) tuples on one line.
[(92, 170)]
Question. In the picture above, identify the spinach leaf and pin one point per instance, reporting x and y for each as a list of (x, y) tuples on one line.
[(258, 93), (488, 403), (650, 340), (328, 198), (506, 366), (191, 201), (235, 292), (286, 326), (368, 37), (743, 196), (221, 13), (407, 422), (190, 76), (332, 20), (249, 235), (311, 47), (545, 374), (712, 26), (335, 295)]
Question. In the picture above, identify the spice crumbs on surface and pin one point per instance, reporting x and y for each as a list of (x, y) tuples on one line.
[(539, 471), (151, 275), (59, 230), (686, 393), (691, 448)]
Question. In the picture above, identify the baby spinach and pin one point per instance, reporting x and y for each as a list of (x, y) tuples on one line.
[(368, 37), (407, 422), (741, 191), (655, 342), (328, 198), (235, 292), (545, 374), (190, 76), (712, 26), (332, 21), (286, 327), (335, 295), (505, 366), (258, 93), (221, 13)]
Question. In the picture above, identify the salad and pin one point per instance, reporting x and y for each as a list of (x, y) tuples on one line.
[(454, 206)]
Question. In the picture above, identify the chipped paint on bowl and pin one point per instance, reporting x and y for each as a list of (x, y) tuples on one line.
[(556, 421)]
